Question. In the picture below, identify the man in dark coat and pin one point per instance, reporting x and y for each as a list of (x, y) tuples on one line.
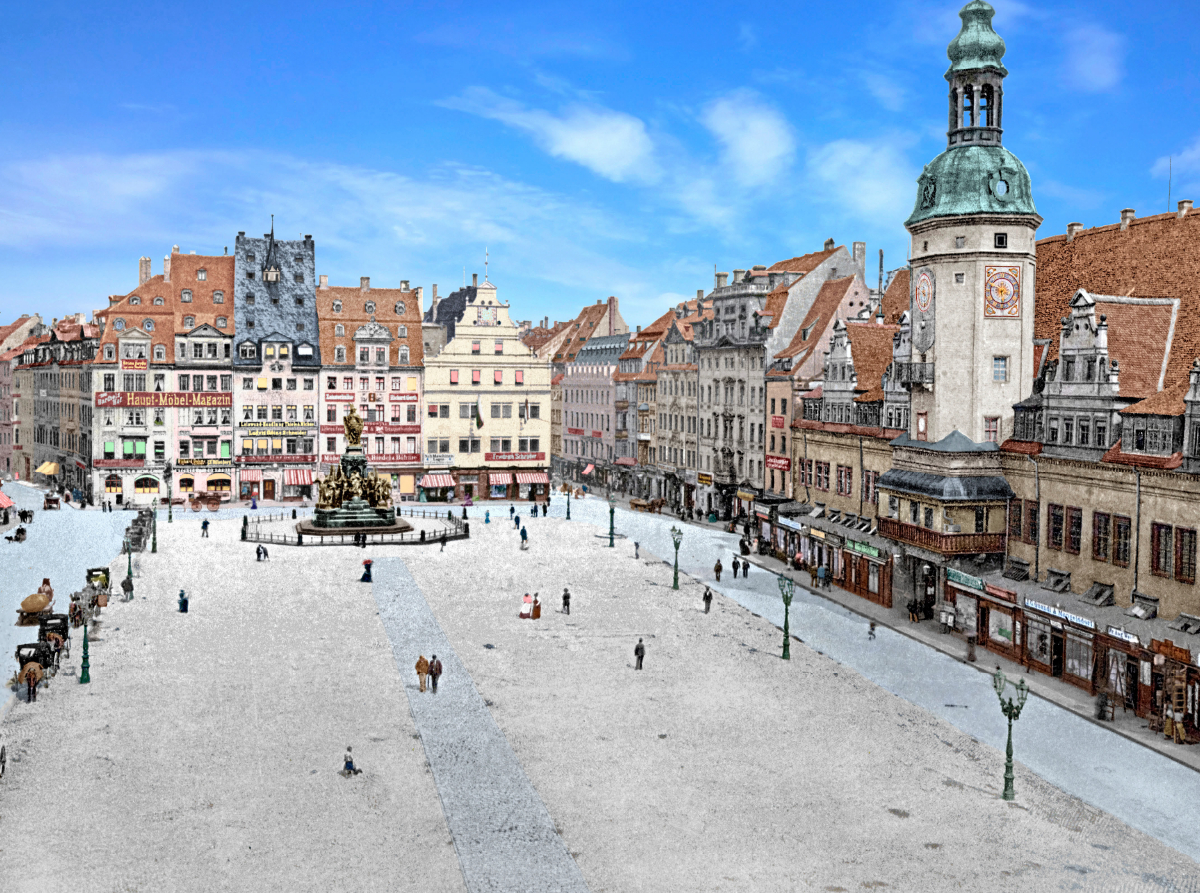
[(204, 528), (511, 509), (639, 652), (435, 671), (707, 599), (566, 600), (737, 565), (717, 570)]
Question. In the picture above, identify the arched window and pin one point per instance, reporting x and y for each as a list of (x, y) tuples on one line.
[(135, 300), (218, 297), (145, 485), (399, 308), (337, 306), (119, 324), (160, 352), (985, 106), (339, 330), (403, 360), (402, 331), (112, 483), (148, 325), (968, 107), (186, 484), (370, 307), (158, 302)]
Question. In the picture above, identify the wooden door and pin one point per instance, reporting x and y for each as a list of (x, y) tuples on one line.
[(268, 488)]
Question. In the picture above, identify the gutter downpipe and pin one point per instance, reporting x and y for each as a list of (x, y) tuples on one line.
[(1037, 495), (862, 476), (1137, 537)]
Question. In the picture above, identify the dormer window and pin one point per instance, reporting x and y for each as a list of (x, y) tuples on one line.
[(222, 322), (246, 350), (283, 351), (109, 353), (399, 308), (339, 330), (369, 307), (218, 297), (337, 306), (135, 300), (160, 352), (119, 324), (148, 325), (250, 256), (269, 352), (201, 275), (189, 322), (158, 302)]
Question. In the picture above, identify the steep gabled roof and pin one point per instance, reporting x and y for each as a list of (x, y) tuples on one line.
[(896, 297), (805, 263), (819, 317), (871, 348)]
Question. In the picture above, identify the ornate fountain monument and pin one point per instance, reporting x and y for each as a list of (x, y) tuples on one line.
[(352, 498)]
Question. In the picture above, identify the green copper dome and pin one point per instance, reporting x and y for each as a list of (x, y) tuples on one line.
[(977, 45), (973, 180)]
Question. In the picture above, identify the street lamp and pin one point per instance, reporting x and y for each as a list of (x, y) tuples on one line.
[(568, 501), (787, 588), (154, 534), (129, 555), (167, 471), (85, 676), (612, 512), (1010, 707), (676, 538)]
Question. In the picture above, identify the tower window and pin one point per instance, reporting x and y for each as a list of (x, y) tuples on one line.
[(968, 107), (960, 241), (985, 106), (960, 278), (1001, 240)]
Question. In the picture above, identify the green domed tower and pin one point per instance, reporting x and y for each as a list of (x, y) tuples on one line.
[(973, 253)]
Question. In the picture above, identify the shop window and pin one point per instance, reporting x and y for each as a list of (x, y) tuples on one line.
[(1078, 656), (1161, 550), (1101, 535)]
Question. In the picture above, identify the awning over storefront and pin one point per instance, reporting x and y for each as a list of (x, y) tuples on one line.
[(496, 478), (434, 481), (5, 502), (250, 475), (532, 477), (589, 469), (626, 460), (47, 468), (297, 477)]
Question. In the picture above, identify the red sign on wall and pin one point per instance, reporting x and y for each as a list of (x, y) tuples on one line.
[(576, 431), (118, 463), (597, 434), (776, 421), (162, 398), (779, 463), (513, 457), (278, 459)]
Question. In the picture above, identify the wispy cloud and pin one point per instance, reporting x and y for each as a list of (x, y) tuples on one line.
[(612, 144), (867, 181), (886, 88), (757, 143), (747, 38), (1095, 59)]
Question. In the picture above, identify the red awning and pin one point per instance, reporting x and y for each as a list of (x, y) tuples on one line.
[(250, 474), (532, 477), (626, 460), (589, 469), (297, 477), (437, 480), (5, 502), (499, 477)]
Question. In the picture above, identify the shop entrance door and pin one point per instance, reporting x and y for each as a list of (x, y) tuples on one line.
[(1057, 646), (468, 491), (929, 592), (268, 488), (1131, 683)]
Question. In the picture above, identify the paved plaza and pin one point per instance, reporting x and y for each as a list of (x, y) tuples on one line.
[(204, 754)]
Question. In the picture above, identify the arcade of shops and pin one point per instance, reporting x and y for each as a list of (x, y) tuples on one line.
[(275, 484), (475, 485)]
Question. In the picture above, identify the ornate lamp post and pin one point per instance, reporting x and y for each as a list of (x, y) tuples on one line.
[(129, 557), (167, 471), (612, 510), (1011, 708), (676, 538), (86, 676), (787, 588), (568, 502), (154, 533)]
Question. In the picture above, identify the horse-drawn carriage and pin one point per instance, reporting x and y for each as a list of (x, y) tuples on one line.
[(647, 505), (56, 630), (37, 606), (51, 502), (210, 501), (34, 661)]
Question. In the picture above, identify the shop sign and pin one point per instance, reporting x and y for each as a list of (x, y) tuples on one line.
[(275, 424), (1060, 614), (143, 364), (576, 431), (956, 576), (1007, 594), (776, 421), (1117, 633), (597, 434), (375, 428), (513, 457), (439, 458), (704, 478), (118, 463), (780, 463), (790, 524), (339, 397), (395, 458), (817, 534), (279, 432), (1167, 648), (749, 497), (278, 459), (107, 399), (225, 464), (863, 548), (402, 398)]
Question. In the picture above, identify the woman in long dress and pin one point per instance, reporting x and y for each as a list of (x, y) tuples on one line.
[(537, 607)]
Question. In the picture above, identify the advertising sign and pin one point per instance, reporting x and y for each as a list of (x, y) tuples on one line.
[(956, 576), (402, 398), (513, 457), (780, 463), (118, 463), (597, 434), (439, 458), (395, 458), (1060, 614), (138, 365), (278, 459), (339, 397), (576, 431), (277, 424), (155, 399), (223, 464), (776, 421), (375, 428), (704, 478)]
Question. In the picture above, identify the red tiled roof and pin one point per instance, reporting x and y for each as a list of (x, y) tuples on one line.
[(1167, 402), (805, 263), (896, 297), (820, 315), (582, 328), (354, 315), (871, 349)]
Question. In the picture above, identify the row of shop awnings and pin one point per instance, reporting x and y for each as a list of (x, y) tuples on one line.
[(297, 477), (589, 469), (47, 468), (437, 481)]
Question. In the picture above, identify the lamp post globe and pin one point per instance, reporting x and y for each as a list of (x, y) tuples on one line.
[(787, 588), (1011, 708), (676, 539), (612, 509)]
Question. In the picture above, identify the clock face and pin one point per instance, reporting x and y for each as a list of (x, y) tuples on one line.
[(924, 291), (1002, 292)]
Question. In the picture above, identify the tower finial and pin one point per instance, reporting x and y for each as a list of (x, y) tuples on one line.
[(485, 263)]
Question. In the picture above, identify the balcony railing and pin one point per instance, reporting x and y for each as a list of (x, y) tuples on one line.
[(944, 543), (913, 373)]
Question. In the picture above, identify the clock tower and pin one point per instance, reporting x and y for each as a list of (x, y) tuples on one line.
[(973, 255)]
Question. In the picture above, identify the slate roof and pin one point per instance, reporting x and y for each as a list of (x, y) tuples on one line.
[(946, 488), (954, 442)]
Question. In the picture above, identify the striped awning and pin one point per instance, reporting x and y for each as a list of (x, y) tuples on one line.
[(589, 469), (499, 477), (435, 481), (532, 477), (5, 502), (249, 475), (297, 477)]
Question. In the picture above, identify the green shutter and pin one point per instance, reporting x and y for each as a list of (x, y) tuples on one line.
[(128, 447), (110, 446), (224, 449), (141, 448)]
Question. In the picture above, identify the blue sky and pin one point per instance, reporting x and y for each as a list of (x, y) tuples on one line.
[(594, 149)]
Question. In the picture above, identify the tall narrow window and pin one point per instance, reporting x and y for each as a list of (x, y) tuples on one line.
[(1101, 526), (1162, 549), (1055, 533), (985, 106), (968, 107), (1185, 555)]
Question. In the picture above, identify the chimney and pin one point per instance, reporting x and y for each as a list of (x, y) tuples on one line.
[(1184, 207), (1127, 215), (364, 283), (737, 276), (860, 257), (474, 280), (404, 285), (719, 280), (1073, 230), (226, 250), (144, 268), (167, 267), (639, 329), (699, 296), (419, 291), (174, 249), (324, 281), (829, 244)]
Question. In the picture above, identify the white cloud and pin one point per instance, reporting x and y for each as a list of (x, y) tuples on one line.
[(886, 89), (747, 38), (756, 141), (1095, 58), (870, 181), (612, 144), (1186, 161)]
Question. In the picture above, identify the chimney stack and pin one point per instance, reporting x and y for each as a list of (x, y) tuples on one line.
[(860, 257), (1127, 215), (167, 267), (404, 285), (324, 281), (719, 279), (364, 283), (174, 249), (474, 280), (433, 293), (737, 276), (699, 297), (829, 244), (1184, 207), (1073, 229), (144, 268)]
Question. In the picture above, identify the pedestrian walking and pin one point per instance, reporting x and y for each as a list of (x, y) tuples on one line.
[(511, 509), (204, 528), (636, 546), (348, 767), (707, 599), (524, 538), (422, 670), (639, 651), (717, 570), (487, 517), (545, 508), (566, 600), (871, 630), (516, 522), (745, 568), (821, 572), (258, 552), (435, 671), (443, 549), (537, 607)]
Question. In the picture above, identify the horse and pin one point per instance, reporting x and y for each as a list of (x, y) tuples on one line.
[(31, 674), (58, 644), (25, 515)]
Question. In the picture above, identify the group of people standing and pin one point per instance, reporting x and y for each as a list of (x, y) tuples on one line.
[(429, 669), (738, 565)]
